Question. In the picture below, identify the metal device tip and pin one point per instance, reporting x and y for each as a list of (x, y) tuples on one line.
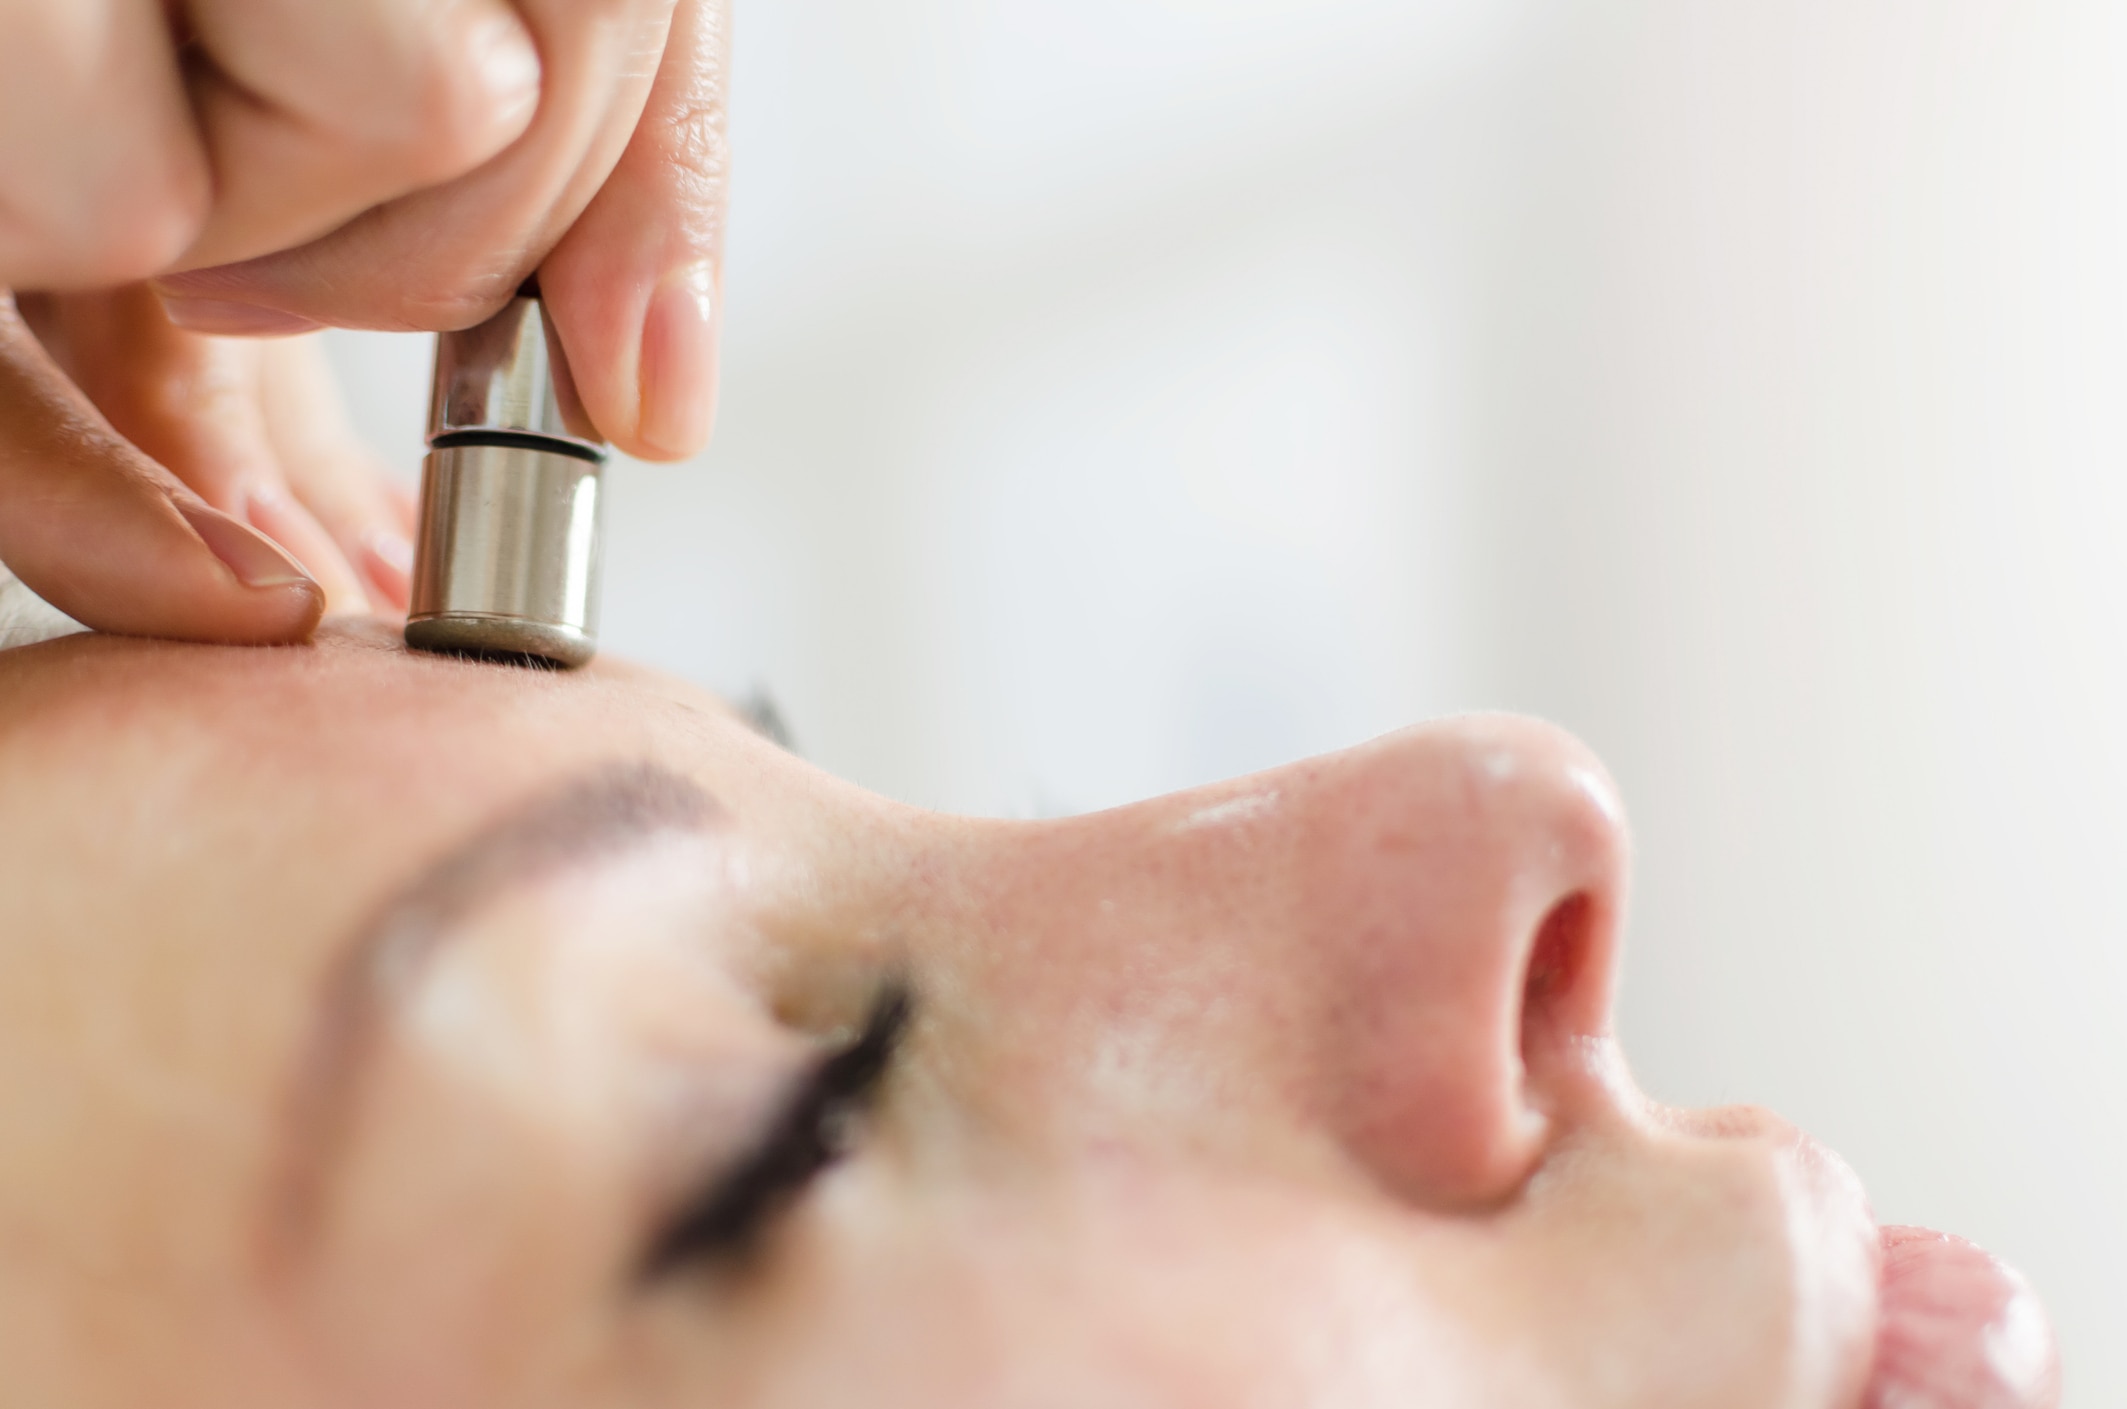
[(506, 564)]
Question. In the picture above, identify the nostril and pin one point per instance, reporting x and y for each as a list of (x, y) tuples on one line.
[(1558, 961), (1556, 958)]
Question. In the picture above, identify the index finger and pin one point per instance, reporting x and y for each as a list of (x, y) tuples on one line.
[(109, 537)]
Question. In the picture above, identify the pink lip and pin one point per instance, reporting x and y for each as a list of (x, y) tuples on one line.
[(1960, 1329)]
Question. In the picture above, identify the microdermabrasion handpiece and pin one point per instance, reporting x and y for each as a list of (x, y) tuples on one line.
[(506, 565)]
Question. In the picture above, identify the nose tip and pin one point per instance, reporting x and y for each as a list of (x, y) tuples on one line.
[(1472, 876)]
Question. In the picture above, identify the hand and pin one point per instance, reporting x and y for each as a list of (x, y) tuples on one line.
[(135, 134), (388, 164), (614, 195), (160, 482)]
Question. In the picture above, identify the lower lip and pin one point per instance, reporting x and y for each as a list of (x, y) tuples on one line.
[(1960, 1330)]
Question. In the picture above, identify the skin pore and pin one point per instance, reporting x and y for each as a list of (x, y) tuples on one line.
[(378, 1029)]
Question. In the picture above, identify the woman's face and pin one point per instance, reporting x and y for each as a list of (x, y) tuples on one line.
[(385, 1030)]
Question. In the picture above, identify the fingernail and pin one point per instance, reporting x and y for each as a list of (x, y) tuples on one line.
[(242, 320), (501, 52), (678, 376), (270, 510), (388, 562), (254, 558)]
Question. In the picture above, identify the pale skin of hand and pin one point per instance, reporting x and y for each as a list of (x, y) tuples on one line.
[(158, 477)]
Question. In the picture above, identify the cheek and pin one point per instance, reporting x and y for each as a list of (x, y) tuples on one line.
[(1619, 1282), (566, 1064), (1121, 1285), (459, 1240)]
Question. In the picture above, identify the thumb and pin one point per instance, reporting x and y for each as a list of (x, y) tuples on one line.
[(106, 535)]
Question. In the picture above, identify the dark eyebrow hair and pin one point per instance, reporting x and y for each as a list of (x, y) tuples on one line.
[(611, 810)]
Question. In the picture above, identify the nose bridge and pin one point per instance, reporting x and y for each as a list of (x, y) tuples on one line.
[(1384, 943), (1470, 878)]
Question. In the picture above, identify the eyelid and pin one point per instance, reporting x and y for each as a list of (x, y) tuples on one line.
[(806, 1134)]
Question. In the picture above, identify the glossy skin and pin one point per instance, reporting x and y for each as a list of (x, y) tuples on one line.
[(1298, 1090)]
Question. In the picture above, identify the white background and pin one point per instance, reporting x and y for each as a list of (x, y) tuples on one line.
[(1121, 394)]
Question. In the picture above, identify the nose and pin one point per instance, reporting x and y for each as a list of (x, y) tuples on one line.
[(1408, 945), (1465, 885)]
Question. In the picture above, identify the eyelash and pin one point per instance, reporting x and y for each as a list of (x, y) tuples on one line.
[(815, 1129)]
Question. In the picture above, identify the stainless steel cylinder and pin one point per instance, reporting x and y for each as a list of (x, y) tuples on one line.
[(507, 561), (508, 374)]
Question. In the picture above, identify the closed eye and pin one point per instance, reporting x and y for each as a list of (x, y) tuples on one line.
[(813, 1128)]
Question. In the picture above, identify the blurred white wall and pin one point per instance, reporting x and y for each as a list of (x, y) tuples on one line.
[(1120, 394)]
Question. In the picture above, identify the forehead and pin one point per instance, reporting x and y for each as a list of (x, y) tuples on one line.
[(186, 835), (353, 736), (182, 795)]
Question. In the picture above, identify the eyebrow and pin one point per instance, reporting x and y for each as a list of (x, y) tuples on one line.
[(613, 810)]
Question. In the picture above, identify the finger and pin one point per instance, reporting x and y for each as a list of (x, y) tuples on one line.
[(313, 113), (102, 175), (196, 405), (635, 285), (333, 474), (110, 538), (450, 255)]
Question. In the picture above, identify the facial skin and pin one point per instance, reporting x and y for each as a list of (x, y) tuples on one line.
[(369, 1024)]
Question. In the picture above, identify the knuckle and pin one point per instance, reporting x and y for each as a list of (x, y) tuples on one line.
[(441, 113), (481, 84), (691, 135), (123, 229), (103, 178), (452, 122), (685, 156), (150, 233)]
